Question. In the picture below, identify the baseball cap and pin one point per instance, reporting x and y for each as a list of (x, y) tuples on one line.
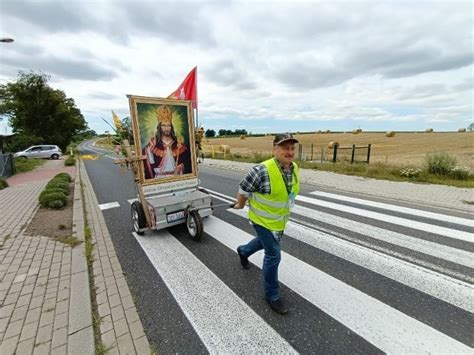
[(284, 137)]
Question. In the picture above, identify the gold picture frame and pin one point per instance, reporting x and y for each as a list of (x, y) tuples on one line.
[(163, 132)]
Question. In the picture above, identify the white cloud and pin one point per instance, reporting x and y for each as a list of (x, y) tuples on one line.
[(260, 64)]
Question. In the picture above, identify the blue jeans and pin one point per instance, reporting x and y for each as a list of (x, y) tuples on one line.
[(271, 244)]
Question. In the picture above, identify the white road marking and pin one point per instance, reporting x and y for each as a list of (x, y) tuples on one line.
[(132, 200), (450, 290), (454, 255), (106, 206), (386, 206), (387, 328), (448, 253), (448, 232), (224, 322)]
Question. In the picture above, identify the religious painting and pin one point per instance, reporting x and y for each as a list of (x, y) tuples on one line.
[(164, 137)]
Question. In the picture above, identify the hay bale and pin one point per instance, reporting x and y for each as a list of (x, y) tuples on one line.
[(224, 148), (242, 136), (429, 130), (461, 130), (332, 144), (355, 131), (390, 134)]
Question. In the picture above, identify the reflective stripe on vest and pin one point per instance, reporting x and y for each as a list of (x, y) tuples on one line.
[(273, 210)]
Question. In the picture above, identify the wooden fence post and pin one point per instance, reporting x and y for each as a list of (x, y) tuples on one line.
[(353, 153), (368, 153), (334, 154)]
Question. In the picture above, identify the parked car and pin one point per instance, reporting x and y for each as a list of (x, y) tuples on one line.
[(40, 151)]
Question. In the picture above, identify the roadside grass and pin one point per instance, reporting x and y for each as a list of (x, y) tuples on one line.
[(379, 171), (69, 240), (108, 143), (23, 165)]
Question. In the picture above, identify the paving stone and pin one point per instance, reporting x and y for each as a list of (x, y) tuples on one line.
[(26, 347), (8, 346), (114, 300), (59, 337), (142, 346), (106, 324), (117, 313), (121, 327), (61, 320), (13, 329), (42, 349), (125, 344), (136, 329), (28, 331), (11, 298), (6, 311), (61, 350), (109, 340), (131, 315), (19, 313), (33, 315), (45, 334)]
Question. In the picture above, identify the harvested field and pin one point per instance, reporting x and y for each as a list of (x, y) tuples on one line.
[(405, 148)]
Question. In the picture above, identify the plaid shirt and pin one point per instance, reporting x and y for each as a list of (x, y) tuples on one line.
[(258, 180)]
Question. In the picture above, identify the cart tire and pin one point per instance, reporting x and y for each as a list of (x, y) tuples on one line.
[(138, 217), (194, 225)]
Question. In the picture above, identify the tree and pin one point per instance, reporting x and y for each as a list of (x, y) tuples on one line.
[(38, 113), (470, 128), (210, 133)]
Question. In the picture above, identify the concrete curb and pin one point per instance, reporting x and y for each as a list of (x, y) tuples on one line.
[(81, 331), (121, 329)]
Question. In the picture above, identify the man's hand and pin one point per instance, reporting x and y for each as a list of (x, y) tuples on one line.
[(240, 202), (238, 206)]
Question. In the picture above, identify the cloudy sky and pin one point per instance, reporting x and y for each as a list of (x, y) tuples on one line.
[(265, 66)]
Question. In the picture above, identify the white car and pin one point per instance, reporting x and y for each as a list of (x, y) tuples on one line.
[(40, 151)]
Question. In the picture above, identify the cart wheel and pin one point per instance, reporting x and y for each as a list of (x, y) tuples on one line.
[(138, 217), (194, 225)]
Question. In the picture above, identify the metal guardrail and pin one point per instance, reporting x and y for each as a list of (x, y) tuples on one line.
[(7, 165)]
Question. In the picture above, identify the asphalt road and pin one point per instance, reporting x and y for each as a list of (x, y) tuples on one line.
[(360, 276)]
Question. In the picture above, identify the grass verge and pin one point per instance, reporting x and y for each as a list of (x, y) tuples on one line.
[(22, 165), (374, 171)]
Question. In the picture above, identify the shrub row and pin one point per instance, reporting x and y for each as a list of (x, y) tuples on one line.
[(70, 161), (55, 192)]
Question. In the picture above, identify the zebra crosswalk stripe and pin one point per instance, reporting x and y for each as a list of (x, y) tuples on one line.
[(387, 328), (448, 232), (224, 322), (388, 207)]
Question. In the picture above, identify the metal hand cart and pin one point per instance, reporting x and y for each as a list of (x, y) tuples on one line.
[(169, 201)]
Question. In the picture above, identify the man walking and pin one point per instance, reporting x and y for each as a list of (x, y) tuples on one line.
[(271, 188)]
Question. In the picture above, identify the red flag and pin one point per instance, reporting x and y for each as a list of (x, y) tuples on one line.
[(188, 88)]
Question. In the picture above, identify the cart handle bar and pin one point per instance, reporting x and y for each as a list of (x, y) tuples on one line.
[(228, 205)]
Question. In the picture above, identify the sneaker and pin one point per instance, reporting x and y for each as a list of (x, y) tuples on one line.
[(278, 306), (243, 260)]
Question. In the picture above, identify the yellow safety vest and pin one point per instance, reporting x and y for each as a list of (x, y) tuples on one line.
[(272, 211)]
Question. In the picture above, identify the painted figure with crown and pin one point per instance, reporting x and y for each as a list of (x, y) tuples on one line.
[(167, 155)]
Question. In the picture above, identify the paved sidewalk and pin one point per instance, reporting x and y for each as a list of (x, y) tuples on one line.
[(423, 194), (44, 284)]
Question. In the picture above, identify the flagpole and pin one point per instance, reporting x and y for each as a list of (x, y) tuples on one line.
[(197, 115)]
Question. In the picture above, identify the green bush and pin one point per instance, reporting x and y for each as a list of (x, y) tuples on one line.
[(65, 176), (70, 161), (3, 183), (49, 199), (58, 184), (52, 190), (440, 163), (56, 204)]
